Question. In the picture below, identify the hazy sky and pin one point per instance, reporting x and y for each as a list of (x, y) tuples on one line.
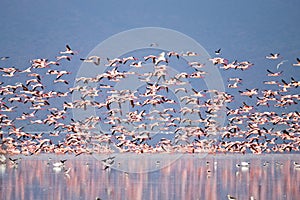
[(245, 30)]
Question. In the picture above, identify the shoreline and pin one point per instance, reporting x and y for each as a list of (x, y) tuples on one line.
[(153, 155)]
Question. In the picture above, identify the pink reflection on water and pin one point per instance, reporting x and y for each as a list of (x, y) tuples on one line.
[(190, 177)]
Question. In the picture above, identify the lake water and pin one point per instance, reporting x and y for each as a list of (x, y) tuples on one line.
[(161, 176)]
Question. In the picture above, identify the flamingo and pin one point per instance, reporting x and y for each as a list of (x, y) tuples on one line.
[(298, 63), (58, 58), (68, 51), (218, 60), (137, 64), (92, 59), (274, 73), (114, 62), (173, 53), (273, 56), (28, 70), (4, 58), (190, 53), (125, 60), (161, 58), (61, 81), (234, 85), (218, 52)]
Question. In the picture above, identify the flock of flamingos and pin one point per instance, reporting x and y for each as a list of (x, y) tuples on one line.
[(40, 95)]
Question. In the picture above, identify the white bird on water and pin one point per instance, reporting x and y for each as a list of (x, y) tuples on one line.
[(2, 159), (243, 165), (61, 163), (229, 197), (296, 165), (14, 162), (108, 162), (58, 166)]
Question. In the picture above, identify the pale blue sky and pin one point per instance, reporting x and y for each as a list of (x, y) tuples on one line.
[(245, 30)]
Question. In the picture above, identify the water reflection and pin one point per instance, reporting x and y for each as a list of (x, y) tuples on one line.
[(190, 177)]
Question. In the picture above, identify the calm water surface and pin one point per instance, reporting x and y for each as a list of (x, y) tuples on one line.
[(161, 176)]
